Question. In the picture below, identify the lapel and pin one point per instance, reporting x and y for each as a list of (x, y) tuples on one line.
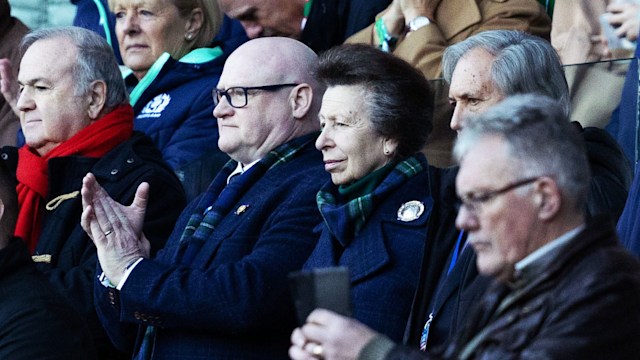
[(454, 281), (368, 253), (237, 218)]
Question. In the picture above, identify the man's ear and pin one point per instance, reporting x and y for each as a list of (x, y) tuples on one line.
[(194, 23), (548, 198), (301, 100), (97, 98)]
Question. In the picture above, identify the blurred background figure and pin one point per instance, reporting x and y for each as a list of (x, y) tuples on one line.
[(96, 16), (418, 31), (577, 31), (320, 24), (11, 32)]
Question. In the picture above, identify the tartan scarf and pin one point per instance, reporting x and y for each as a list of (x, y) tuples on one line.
[(220, 198), (94, 141), (345, 220)]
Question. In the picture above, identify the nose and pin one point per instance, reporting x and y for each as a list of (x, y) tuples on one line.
[(466, 220), (252, 28), (223, 109), (25, 101), (128, 24), (323, 140), (456, 123)]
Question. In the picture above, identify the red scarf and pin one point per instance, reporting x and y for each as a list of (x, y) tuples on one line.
[(94, 141)]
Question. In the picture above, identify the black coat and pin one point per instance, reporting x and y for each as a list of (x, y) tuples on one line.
[(37, 323), (583, 305), (72, 264), (331, 22), (453, 297)]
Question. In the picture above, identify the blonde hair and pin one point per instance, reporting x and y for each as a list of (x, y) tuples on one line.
[(211, 21)]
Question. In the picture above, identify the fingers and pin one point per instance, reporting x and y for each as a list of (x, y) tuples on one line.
[(85, 220), (301, 348)]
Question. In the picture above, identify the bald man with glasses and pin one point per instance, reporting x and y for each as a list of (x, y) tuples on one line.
[(219, 288)]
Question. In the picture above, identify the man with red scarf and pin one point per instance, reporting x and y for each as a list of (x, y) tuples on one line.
[(76, 119)]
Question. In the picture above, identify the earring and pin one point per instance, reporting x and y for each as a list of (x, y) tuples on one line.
[(189, 36), (386, 152)]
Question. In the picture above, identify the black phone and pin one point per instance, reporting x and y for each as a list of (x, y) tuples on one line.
[(326, 288)]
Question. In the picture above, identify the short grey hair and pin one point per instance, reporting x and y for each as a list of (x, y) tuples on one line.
[(523, 64), (540, 138), (95, 61)]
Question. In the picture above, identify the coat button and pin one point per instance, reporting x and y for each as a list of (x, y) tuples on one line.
[(114, 171), (130, 161), (4, 156)]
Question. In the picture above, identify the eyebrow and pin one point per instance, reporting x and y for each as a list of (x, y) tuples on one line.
[(30, 82), (247, 14)]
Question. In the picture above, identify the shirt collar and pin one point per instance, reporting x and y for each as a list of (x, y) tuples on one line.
[(547, 249), (240, 169)]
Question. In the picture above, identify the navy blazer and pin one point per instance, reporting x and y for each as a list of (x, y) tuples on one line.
[(384, 258), (232, 301)]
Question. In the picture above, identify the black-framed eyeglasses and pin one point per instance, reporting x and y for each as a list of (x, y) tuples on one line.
[(473, 201), (237, 95)]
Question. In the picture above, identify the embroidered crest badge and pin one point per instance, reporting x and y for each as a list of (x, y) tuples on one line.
[(410, 210), (155, 107)]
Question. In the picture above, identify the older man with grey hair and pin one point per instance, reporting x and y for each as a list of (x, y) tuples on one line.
[(563, 288), (76, 119)]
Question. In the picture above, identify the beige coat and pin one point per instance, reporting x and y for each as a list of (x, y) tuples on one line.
[(575, 22), (456, 20)]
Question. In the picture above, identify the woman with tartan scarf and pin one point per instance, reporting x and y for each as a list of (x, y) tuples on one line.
[(380, 205)]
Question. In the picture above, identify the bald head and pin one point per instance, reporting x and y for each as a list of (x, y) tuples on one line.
[(283, 58), (276, 60)]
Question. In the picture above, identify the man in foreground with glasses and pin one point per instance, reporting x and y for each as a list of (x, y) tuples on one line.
[(563, 287), (219, 288)]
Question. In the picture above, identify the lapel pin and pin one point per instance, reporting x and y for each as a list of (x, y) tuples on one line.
[(410, 211), (241, 209)]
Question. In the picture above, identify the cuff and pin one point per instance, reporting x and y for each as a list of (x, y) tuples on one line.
[(127, 272), (376, 349)]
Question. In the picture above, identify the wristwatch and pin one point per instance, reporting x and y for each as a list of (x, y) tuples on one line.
[(418, 22)]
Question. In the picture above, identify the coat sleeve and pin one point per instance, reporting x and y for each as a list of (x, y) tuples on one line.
[(247, 294)]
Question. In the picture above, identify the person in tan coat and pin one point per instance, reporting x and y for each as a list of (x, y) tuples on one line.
[(420, 30), (11, 32), (424, 28)]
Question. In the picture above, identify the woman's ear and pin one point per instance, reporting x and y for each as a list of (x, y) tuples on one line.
[(194, 24), (389, 146)]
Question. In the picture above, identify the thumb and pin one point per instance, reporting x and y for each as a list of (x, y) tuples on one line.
[(142, 196)]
